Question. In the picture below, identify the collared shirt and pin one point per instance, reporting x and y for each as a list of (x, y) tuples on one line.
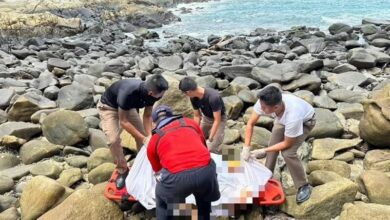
[(210, 103), (128, 94)]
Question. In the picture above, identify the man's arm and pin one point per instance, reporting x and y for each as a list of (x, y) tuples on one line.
[(147, 120), (125, 124), (249, 128), (197, 116), (217, 121), (286, 143)]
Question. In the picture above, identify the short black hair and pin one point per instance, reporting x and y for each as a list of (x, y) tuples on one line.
[(156, 83), (187, 84), (270, 95)]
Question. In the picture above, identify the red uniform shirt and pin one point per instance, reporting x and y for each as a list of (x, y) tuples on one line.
[(179, 149)]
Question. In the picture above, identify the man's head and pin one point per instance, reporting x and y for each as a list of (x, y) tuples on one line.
[(188, 86), (161, 112), (270, 99), (156, 85)]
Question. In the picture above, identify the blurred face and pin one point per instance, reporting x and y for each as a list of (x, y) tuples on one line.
[(268, 109), (157, 95)]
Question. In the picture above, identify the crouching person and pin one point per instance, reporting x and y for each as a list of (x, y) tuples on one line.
[(179, 156)]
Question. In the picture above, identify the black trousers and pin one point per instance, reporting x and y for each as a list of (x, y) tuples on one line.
[(172, 190)]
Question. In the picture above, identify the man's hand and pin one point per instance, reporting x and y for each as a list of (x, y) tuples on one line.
[(259, 154), (245, 153)]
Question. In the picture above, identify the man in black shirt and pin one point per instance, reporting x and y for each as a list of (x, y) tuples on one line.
[(209, 112), (118, 109)]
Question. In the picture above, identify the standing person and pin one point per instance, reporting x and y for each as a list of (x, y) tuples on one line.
[(209, 112), (183, 166), (118, 109), (294, 119)]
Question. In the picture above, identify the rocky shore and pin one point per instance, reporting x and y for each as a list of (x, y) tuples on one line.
[(53, 158)]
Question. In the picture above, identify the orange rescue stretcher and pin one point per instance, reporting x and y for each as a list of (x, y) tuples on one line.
[(272, 195)]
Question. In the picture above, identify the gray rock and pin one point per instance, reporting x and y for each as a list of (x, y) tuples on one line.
[(170, 63), (348, 79), (115, 66), (381, 42), (231, 136), (245, 81), (96, 69), (74, 150), (361, 59), (305, 95), (97, 139), (375, 21), (56, 62), (102, 173), (7, 202), (233, 106), (51, 92), (324, 101), (260, 137), (46, 168), (339, 27), (6, 184), (369, 29), (306, 82), (84, 80), (345, 67), (64, 127), (36, 149), (350, 110), (350, 44), (45, 80), (16, 172), (146, 64), (10, 214), (277, 73), (310, 65), (327, 124), (23, 130), (278, 57), (263, 47), (8, 160), (231, 72), (206, 81), (70, 176), (99, 157), (314, 45), (5, 98), (26, 105), (3, 116), (74, 97), (343, 95), (380, 57), (359, 209), (247, 96), (77, 161), (339, 167), (92, 122), (299, 50)]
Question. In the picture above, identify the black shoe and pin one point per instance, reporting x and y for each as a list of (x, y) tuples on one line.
[(120, 181), (303, 193)]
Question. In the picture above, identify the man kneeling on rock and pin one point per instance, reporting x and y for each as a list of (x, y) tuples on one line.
[(294, 119), (178, 154), (118, 109)]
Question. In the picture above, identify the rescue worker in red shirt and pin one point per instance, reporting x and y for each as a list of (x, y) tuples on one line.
[(178, 154)]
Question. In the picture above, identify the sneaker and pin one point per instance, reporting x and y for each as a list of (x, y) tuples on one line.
[(303, 194), (120, 181)]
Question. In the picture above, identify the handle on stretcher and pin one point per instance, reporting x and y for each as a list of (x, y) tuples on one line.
[(273, 194)]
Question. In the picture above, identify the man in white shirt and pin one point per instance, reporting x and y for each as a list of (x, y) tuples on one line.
[(294, 119)]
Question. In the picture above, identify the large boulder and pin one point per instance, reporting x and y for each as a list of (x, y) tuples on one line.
[(65, 128), (327, 124), (325, 201), (337, 28), (37, 149), (40, 195), (231, 72), (339, 167), (57, 63), (8, 160), (363, 211), (306, 82), (102, 173), (377, 160), (375, 123), (325, 149), (146, 64), (75, 97), (361, 59), (319, 177), (170, 63), (344, 95), (23, 130), (85, 204), (174, 98), (6, 96), (375, 184), (348, 79), (26, 105), (284, 72), (260, 137), (70, 176), (233, 106), (380, 42), (46, 168), (6, 184), (98, 157)]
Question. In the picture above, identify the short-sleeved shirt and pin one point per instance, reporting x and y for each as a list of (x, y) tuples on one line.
[(297, 111), (128, 94), (211, 102)]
